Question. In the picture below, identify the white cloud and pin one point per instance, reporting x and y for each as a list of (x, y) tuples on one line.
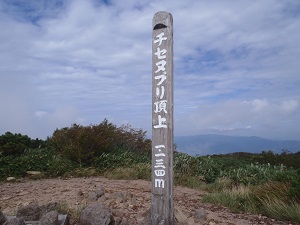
[(259, 117), (40, 114), (289, 106), (236, 65)]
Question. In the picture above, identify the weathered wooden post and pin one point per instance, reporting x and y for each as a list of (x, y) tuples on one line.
[(162, 119)]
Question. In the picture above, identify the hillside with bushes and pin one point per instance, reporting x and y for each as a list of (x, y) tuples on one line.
[(267, 183)]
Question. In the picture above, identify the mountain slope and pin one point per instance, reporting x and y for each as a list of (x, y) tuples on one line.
[(223, 144)]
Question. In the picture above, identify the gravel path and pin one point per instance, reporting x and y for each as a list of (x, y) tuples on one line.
[(75, 192)]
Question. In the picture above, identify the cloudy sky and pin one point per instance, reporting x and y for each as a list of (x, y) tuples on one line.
[(236, 65)]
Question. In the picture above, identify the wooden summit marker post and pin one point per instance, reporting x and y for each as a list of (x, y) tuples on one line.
[(162, 119)]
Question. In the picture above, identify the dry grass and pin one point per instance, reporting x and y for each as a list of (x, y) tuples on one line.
[(279, 209), (138, 171)]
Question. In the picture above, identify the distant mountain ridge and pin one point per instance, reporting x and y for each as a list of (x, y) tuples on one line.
[(209, 144)]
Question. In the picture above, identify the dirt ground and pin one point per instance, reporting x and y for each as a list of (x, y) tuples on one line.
[(71, 191)]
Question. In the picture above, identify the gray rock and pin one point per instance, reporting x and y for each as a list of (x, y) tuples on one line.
[(15, 221), (30, 212), (2, 218), (99, 192), (96, 214), (63, 219), (92, 197), (52, 206), (200, 214), (179, 216), (102, 198), (116, 195), (50, 218)]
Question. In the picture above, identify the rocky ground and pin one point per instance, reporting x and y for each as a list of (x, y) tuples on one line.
[(129, 199)]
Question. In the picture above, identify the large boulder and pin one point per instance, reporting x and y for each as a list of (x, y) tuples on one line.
[(31, 212), (96, 214)]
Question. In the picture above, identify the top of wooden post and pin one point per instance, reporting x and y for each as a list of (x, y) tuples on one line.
[(162, 20)]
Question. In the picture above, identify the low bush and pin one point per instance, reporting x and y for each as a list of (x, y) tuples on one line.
[(120, 158), (60, 165), (181, 179), (84, 143), (237, 199), (272, 199), (137, 171), (33, 159), (17, 144), (43, 160), (203, 166), (222, 183), (273, 189)]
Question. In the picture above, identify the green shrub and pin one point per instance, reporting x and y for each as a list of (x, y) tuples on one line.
[(81, 172), (220, 184), (256, 173), (188, 181), (60, 165), (118, 159), (17, 144), (203, 166), (43, 160), (83, 143), (33, 159)]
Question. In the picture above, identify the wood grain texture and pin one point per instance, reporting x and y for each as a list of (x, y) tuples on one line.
[(162, 119)]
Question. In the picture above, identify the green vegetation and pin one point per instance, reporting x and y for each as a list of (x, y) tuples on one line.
[(74, 150), (17, 144), (265, 183)]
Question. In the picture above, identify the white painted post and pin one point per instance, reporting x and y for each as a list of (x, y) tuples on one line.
[(162, 119)]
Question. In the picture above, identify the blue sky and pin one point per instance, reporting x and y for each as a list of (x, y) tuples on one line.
[(236, 65)]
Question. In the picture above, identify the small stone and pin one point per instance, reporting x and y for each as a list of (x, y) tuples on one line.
[(119, 200), (133, 201), (51, 218), (119, 213), (190, 221), (52, 206), (2, 218), (102, 198), (117, 220), (99, 192), (117, 195), (200, 214), (15, 221), (179, 216), (11, 179), (92, 197)]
